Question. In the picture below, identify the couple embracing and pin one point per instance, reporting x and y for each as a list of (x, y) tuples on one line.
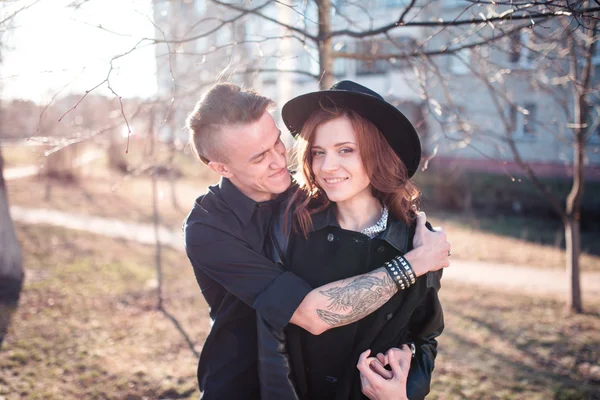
[(322, 288)]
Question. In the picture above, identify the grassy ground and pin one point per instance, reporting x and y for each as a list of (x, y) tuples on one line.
[(512, 240), (87, 328), (499, 346), (87, 325)]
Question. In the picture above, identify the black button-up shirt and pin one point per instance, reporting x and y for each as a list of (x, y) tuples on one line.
[(224, 239)]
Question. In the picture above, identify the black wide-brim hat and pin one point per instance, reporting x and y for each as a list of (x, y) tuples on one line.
[(395, 127)]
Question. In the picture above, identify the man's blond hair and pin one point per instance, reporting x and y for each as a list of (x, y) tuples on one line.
[(222, 105)]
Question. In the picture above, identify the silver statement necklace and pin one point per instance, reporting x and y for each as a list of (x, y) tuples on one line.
[(379, 226)]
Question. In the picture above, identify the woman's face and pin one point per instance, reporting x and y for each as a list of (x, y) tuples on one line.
[(336, 161)]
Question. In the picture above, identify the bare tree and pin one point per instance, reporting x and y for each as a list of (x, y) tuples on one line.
[(215, 43), (11, 263), (464, 32)]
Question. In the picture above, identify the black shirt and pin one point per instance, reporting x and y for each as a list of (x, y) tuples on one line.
[(224, 240)]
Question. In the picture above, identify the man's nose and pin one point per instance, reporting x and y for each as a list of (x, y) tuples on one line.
[(279, 160)]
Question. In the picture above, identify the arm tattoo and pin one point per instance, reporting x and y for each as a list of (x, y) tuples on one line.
[(354, 301)]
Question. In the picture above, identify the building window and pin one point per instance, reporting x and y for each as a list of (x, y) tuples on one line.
[(394, 3), (518, 52), (387, 50), (523, 125), (200, 6), (339, 64), (455, 3), (371, 67), (529, 120), (403, 44), (459, 61)]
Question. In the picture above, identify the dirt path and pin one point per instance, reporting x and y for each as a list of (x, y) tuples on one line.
[(518, 279), (23, 172)]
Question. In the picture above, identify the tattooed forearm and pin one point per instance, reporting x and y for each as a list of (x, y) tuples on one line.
[(358, 298)]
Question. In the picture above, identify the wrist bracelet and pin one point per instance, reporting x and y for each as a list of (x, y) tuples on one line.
[(394, 273), (408, 269), (403, 274)]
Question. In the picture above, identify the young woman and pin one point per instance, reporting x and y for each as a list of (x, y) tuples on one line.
[(354, 209)]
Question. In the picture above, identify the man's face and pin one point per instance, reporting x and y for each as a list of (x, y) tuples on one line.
[(256, 159)]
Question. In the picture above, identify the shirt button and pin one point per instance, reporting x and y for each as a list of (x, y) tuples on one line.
[(389, 316), (381, 249), (330, 237)]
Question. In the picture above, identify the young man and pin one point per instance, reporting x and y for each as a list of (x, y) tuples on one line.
[(233, 133)]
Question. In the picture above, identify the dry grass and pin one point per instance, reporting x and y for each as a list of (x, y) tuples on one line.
[(18, 155), (87, 325), (499, 346), (110, 195), (516, 241), (87, 328)]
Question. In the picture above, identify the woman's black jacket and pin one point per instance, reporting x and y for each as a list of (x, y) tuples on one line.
[(420, 312)]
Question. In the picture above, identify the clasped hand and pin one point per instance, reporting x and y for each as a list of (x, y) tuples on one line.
[(378, 383)]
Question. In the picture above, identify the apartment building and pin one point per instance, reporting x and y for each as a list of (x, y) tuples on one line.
[(465, 104)]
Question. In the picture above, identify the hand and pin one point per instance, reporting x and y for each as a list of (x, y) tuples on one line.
[(431, 250), (404, 355), (375, 386)]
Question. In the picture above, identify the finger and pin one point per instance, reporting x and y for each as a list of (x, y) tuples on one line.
[(393, 349), (382, 358), (397, 370), (405, 360), (378, 368), (365, 369), (363, 356)]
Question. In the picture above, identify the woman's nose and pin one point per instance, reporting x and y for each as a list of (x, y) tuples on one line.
[(329, 164)]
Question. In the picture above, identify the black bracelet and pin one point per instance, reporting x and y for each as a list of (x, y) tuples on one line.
[(408, 269), (394, 273), (403, 274)]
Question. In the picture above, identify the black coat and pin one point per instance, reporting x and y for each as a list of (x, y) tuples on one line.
[(412, 315)]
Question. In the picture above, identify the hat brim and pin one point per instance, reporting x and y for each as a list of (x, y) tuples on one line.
[(395, 127)]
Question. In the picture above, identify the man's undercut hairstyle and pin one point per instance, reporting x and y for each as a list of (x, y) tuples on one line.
[(222, 105)]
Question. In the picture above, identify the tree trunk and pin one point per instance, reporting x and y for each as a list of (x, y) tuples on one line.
[(153, 136), (573, 210), (581, 85), (325, 50), (11, 264), (572, 238)]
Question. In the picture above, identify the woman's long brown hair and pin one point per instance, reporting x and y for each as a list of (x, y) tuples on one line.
[(387, 173)]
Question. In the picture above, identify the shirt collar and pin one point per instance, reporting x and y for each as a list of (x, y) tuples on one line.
[(396, 232), (325, 218), (243, 206), (240, 204)]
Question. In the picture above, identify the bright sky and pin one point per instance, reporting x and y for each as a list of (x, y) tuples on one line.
[(56, 48)]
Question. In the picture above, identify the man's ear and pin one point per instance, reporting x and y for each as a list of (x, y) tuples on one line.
[(220, 168)]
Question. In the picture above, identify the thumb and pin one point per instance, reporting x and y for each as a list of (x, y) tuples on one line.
[(421, 219)]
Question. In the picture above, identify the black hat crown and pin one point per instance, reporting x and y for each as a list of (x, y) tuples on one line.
[(395, 127)]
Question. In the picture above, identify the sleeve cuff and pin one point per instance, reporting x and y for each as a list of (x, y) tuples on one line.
[(280, 300)]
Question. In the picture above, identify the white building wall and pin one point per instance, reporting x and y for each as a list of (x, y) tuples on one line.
[(485, 134)]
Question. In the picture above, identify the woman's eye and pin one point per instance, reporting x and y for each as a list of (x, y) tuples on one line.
[(259, 158), (346, 150), (317, 152)]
